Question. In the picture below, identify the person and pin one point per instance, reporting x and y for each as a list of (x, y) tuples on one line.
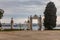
[(0, 24)]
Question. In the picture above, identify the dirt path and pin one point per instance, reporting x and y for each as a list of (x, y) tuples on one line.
[(30, 35)]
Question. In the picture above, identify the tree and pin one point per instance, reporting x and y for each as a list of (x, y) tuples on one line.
[(1, 15), (50, 16)]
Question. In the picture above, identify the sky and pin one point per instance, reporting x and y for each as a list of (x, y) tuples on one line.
[(21, 9)]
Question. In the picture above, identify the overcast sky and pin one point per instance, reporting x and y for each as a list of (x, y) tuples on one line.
[(21, 9)]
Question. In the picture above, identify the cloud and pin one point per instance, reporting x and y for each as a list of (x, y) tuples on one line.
[(20, 9), (17, 20), (22, 20)]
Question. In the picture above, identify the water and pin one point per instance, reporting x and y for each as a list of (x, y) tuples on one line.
[(25, 27)]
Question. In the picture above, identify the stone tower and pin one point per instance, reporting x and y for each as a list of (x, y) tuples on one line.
[(40, 22), (12, 22), (31, 22)]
